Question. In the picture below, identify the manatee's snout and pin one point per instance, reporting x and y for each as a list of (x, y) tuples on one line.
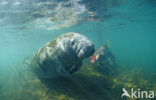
[(86, 50)]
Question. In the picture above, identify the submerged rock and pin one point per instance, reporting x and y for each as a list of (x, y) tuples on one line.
[(62, 56)]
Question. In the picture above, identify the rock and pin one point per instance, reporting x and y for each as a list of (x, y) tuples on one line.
[(62, 56)]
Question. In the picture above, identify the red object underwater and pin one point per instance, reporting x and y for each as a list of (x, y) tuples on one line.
[(93, 58)]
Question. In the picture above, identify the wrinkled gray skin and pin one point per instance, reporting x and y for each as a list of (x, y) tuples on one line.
[(62, 56)]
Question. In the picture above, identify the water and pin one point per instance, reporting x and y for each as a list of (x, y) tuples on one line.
[(26, 25)]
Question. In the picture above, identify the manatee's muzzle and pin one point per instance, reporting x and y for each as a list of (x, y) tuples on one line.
[(86, 51)]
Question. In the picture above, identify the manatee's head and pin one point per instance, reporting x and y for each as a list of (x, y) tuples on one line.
[(83, 47)]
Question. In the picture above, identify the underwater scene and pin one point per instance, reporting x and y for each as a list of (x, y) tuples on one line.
[(77, 49)]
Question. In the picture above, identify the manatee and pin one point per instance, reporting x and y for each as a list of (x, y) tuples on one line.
[(62, 56)]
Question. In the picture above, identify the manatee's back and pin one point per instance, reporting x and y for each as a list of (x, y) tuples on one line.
[(43, 62)]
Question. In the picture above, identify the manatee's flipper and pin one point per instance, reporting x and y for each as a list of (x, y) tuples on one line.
[(60, 68), (75, 68)]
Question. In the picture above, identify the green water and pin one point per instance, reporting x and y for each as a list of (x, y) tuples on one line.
[(130, 25)]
